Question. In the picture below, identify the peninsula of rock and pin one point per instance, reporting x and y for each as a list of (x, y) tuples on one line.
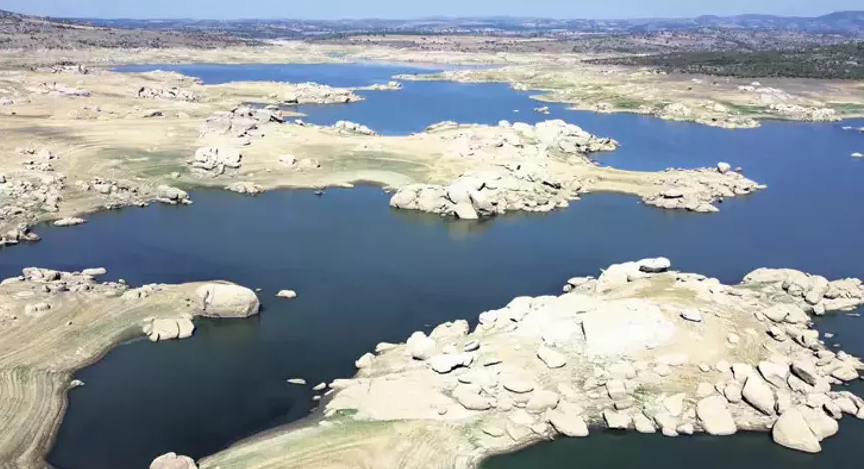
[(639, 348)]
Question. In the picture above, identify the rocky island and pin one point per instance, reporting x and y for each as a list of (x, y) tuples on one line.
[(639, 348)]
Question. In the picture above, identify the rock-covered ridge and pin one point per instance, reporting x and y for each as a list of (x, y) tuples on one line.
[(526, 187), (519, 140), (314, 93), (698, 190), (639, 347)]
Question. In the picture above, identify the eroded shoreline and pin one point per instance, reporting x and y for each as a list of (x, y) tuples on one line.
[(55, 323), (525, 373), (131, 139), (542, 166)]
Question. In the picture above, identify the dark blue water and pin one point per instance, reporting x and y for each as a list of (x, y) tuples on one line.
[(367, 274)]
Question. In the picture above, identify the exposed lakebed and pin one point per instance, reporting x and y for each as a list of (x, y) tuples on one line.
[(367, 274)]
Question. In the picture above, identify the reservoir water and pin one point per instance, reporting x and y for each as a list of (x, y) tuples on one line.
[(367, 274)]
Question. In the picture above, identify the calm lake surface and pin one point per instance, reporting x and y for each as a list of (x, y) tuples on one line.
[(367, 274)]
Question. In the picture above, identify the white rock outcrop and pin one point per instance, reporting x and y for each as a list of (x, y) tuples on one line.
[(223, 300)]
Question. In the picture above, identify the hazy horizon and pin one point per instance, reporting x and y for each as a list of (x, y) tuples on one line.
[(389, 9)]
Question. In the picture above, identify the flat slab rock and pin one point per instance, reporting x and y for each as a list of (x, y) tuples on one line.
[(715, 416)]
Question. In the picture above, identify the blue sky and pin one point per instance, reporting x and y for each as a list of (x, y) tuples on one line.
[(334, 9)]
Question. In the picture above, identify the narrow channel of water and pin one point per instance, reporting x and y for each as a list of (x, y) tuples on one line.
[(366, 274)]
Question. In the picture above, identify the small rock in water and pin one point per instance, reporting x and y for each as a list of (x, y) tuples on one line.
[(297, 381), (857, 155), (287, 294)]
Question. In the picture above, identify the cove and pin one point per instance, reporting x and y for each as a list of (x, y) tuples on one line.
[(367, 274)]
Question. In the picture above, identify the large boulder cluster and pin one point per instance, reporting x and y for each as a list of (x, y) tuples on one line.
[(245, 188), (17, 234), (43, 289), (519, 141), (174, 93), (241, 123), (802, 113), (353, 128), (813, 294), (59, 89), (31, 193), (697, 190), (66, 69), (314, 93), (526, 187), (169, 328), (172, 196), (216, 161), (564, 137), (24, 195), (118, 193), (624, 350)]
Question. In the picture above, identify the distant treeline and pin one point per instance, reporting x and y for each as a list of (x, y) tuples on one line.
[(843, 61)]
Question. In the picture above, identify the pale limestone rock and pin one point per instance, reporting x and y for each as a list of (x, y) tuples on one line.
[(792, 431), (541, 401), (222, 300), (173, 461), (715, 416), (643, 424), (287, 294), (758, 394), (567, 424), (617, 420), (364, 361), (550, 357)]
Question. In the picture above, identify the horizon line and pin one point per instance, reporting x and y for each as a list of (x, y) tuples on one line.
[(437, 17)]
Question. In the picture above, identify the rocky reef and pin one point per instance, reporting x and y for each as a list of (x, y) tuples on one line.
[(638, 348), (521, 170), (527, 187), (314, 93), (697, 190)]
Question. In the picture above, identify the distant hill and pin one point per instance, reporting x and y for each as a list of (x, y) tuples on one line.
[(840, 61), (849, 23), (22, 31), (33, 32)]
